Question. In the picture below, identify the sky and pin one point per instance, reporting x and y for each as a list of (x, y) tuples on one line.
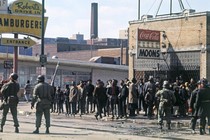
[(68, 17)]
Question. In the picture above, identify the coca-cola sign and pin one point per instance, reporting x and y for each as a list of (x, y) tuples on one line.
[(148, 35)]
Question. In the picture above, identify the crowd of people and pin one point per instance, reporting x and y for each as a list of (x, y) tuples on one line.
[(123, 99)]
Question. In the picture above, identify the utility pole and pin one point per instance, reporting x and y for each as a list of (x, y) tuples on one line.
[(139, 10), (43, 57)]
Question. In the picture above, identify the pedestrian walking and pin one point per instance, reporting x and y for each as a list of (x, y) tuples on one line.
[(42, 96), (27, 91), (9, 92), (167, 99)]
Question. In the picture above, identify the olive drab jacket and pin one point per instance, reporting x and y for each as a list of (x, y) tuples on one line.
[(10, 89), (167, 98), (203, 102), (42, 94)]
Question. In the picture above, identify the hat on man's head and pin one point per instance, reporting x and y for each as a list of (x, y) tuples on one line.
[(14, 76), (165, 84), (204, 81), (73, 83), (134, 80), (150, 78), (40, 78)]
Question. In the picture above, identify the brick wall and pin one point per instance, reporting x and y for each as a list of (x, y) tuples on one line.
[(181, 33), (51, 49)]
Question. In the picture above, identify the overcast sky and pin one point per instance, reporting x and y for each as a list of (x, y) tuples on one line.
[(67, 17)]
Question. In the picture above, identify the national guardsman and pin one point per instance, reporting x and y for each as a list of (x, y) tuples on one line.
[(167, 99), (202, 105), (9, 91), (42, 97)]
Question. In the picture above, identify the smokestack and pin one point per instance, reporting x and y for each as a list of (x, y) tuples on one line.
[(94, 21)]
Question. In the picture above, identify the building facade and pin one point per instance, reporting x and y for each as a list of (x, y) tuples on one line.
[(69, 70), (184, 46), (84, 50)]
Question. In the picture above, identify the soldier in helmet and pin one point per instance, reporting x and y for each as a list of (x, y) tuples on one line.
[(9, 92), (167, 99), (202, 105), (42, 96)]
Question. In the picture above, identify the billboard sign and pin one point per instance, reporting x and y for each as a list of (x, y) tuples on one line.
[(22, 24), (26, 7), (148, 44)]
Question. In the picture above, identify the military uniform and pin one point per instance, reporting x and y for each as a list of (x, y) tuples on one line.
[(202, 105), (42, 95), (167, 99), (9, 92)]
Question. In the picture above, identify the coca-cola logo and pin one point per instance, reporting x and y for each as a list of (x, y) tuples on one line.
[(148, 35)]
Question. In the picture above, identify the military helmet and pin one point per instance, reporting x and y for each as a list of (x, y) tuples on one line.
[(165, 84), (40, 78), (14, 76)]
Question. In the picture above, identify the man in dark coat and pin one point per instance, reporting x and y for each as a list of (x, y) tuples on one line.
[(122, 97), (112, 93), (202, 105), (42, 94), (192, 108), (89, 98), (9, 92), (149, 85), (101, 97)]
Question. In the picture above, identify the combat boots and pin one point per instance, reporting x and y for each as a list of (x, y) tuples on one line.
[(36, 131), (1, 129), (16, 130), (169, 126), (47, 130), (201, 131)]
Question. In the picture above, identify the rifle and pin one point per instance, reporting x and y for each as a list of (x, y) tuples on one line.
[(54, 75)]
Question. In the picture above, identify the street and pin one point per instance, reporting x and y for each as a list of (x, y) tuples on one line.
[(88, 128)]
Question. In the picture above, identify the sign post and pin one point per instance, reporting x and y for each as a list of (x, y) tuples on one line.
[(23, 17)]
